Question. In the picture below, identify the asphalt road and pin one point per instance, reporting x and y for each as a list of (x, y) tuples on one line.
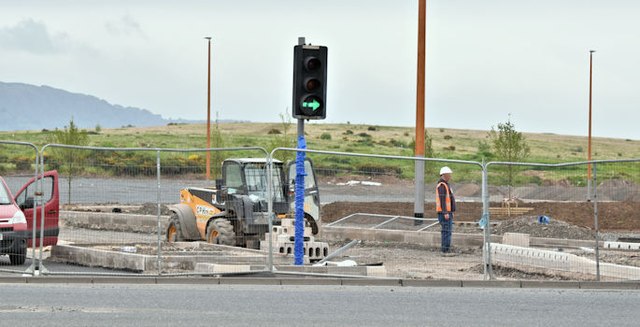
[(238, 305)]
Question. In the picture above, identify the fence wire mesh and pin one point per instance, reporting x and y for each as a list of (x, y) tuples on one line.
[(370, 198), (18, 164), (548, 222)]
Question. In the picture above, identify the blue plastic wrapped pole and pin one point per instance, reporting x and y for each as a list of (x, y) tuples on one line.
[(298, 245)]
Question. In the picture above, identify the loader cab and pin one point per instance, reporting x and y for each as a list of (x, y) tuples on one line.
[(249, 177)]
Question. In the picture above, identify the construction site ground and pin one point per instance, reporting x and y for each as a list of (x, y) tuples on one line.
[(571, 220)]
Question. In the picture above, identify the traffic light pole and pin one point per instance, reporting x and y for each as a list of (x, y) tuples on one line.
[(298, 243)]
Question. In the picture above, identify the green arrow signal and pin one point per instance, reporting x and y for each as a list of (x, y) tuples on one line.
[(314, 104)]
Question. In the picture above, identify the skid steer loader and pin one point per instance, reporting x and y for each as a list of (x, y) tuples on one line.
[(235, 211)]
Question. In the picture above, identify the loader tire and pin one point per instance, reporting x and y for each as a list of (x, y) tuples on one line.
[(174, 233), (220, 231), (310, 222)]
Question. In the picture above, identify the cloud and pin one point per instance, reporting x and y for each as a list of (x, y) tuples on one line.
[(33, 37), (125, 26)]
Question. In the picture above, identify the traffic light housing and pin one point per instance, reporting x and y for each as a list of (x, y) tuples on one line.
[(309, 82)]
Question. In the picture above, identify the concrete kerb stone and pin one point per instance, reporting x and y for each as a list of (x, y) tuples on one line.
[(124, 280), (371, 282), (430, 283), (249, 281), (14, 280), (60, 280), (550, 284), (311, 281), (188, 280), (492, 283), (610, 285)]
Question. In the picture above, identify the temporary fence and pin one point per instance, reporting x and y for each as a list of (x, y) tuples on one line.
[(370, 198), (513, 220), (115, 202), (549, 222), (18, 165)]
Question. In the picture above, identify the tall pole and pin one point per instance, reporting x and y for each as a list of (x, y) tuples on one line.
[(589, 141), (418, 208), (298, 241), (209, 109)]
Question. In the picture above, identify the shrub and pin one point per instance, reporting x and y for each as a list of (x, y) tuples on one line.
[(363, 134), (372, 128), (449, 148), (348, 132), (448, 137), (442, 130), (325, 136), (274, 131)]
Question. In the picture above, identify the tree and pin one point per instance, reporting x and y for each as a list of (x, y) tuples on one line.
[(284, 140), (218, 156), (70, 158), (509, 145)]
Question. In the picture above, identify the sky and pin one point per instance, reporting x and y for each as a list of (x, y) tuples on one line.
[(486, 61)]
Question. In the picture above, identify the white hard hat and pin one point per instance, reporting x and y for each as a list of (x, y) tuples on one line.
[(445, 170)]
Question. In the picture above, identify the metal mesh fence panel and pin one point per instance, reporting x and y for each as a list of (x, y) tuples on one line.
[(616, 197), (18, 163), (545, 220), (228, 210), (370, 198), (118, 205)]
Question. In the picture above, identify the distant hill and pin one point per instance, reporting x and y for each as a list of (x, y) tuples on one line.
[(30, 107)]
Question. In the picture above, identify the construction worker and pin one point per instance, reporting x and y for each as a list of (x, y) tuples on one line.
[(445, 207)]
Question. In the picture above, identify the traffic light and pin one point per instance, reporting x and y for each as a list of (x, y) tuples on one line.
[(309, 82)]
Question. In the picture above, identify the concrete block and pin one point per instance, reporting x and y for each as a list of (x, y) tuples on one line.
[(213, 268), (431, 283), (14, 279), (622, 246), (376, 271), (516, 239)]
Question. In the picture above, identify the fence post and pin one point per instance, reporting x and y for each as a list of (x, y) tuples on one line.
[(595, 218), (159, 261), (40, 199), (32, 267), (270, 210), (488, 270)]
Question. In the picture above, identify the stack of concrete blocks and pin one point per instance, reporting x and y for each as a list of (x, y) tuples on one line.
[(283, 241)]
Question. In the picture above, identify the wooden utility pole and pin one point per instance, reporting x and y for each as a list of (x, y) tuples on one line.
[(419, 149), (209, 109)]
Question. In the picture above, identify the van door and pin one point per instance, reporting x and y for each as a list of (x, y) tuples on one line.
[(311, 194), (25, 199)]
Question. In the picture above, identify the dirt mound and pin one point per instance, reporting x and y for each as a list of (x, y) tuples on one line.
[(555, 229)]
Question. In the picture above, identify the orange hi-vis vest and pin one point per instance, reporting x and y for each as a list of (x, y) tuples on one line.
[(447, 198)]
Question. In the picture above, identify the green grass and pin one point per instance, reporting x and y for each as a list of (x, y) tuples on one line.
[(388, 140)]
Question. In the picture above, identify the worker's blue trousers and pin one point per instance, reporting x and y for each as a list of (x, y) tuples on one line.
[(447, 229)]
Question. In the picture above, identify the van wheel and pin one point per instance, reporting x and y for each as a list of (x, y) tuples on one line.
[(220, 231), (19, 256)]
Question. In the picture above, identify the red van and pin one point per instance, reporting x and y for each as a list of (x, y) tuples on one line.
[(16, 217)]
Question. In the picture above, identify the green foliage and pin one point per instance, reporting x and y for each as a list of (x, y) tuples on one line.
[(325, 136), (70, 159), (98, 128), (448, 137), (285, 140), (509, 145)]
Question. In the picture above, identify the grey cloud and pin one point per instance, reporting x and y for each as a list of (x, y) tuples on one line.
[(32, 36), (124, 26)]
